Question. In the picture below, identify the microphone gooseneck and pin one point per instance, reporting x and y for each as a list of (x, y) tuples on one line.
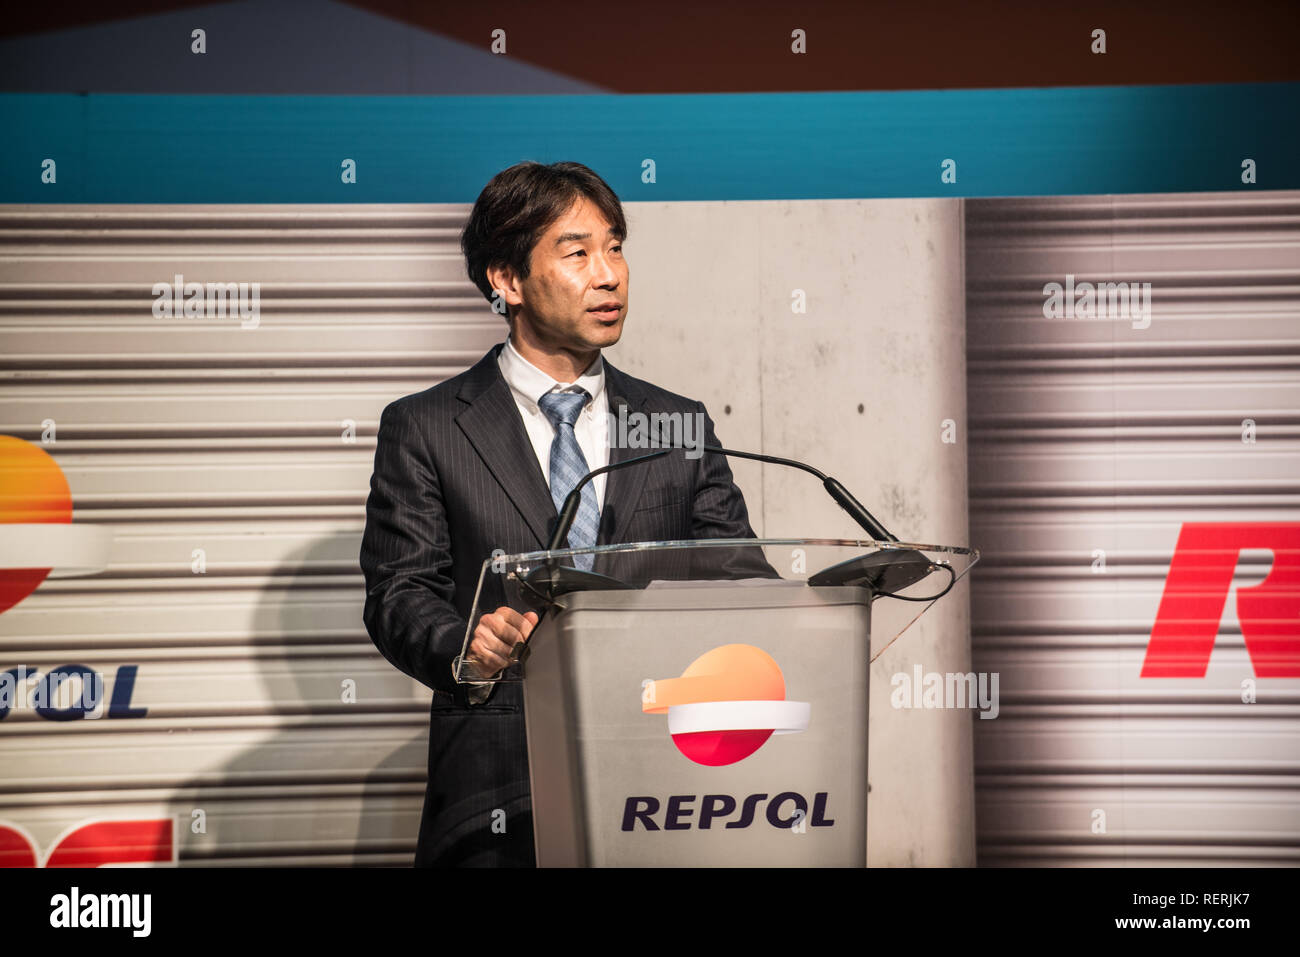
[(574, 498), (884, 573)]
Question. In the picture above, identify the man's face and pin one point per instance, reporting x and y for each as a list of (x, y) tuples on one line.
[(576, 267)]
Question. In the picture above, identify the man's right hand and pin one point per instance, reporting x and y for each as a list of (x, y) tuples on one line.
[(496, 634)]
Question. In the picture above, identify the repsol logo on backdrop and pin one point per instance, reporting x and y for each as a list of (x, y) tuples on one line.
[(788, 810), (68, 693)]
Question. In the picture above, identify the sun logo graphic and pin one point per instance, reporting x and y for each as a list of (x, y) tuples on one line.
[(726, 704), (37, 536)]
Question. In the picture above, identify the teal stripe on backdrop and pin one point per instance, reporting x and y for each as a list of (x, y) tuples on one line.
[(114, 148)]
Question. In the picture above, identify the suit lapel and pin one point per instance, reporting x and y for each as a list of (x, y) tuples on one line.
[(492, 424), (622, 486)]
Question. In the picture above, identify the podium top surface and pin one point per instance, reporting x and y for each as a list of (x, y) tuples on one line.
[(848, 545), (759, 572)]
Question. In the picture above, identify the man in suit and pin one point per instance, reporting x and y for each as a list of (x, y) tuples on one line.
[(481, 461)]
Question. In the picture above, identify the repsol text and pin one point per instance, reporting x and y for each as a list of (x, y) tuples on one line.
[(679, 812)]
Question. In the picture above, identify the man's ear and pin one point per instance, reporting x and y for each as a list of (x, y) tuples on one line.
[(505, 282)]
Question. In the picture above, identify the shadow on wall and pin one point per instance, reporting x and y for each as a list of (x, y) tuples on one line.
[(337, 782)]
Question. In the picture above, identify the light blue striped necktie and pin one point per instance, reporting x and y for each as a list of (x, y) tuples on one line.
[(568, 465)]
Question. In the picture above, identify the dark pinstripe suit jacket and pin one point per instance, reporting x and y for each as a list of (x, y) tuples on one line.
[(456, 477)]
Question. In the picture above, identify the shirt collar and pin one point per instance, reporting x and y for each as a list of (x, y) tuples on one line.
[(530, 383)]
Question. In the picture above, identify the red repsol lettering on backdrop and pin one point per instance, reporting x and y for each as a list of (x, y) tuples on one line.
[(151, 841), (1196, 590)]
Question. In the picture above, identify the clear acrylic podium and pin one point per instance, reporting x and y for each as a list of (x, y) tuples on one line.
[(703, 703)]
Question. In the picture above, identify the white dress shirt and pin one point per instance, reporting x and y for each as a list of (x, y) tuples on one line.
[(529, 383)]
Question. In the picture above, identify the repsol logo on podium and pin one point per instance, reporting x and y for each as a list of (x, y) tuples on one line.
[(788, 810)]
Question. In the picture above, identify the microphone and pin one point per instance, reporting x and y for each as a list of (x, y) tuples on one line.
[(547, 582), (884, 572), (842, 496), (569, 512), (834, 487)]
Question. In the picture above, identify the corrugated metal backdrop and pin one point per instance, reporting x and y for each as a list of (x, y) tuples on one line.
[(194, 433), (1090, 436)]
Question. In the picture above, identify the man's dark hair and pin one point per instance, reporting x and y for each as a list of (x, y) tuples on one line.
[(518, 205)]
